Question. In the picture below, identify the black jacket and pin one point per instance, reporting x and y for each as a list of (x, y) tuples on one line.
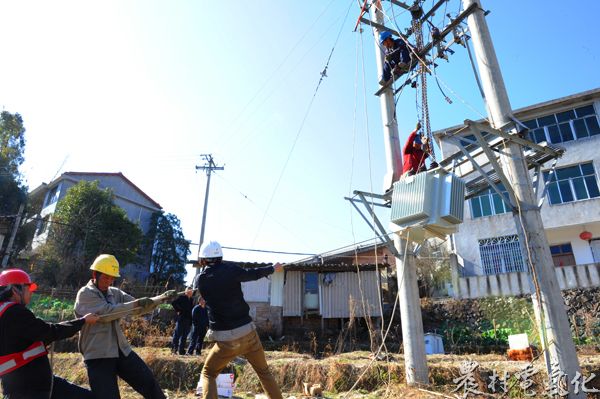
[(220, 285), (19, 329), (183, 306), (199, 317)]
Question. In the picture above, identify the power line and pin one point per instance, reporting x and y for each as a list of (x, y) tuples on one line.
[(271, 252), (323, 76)]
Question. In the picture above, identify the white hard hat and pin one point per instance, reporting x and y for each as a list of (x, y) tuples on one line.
[(211, 249)]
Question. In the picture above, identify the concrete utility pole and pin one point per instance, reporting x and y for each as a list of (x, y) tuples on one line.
[(13, 234), (208, 167), (413, 340), (561, 349)]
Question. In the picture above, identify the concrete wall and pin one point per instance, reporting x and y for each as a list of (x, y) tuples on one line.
[(563, 222), (510, 284)]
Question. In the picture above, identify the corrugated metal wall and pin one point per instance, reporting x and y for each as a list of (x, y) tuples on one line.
[(256, 291), (335, 297), (277, 289), (292, 294)]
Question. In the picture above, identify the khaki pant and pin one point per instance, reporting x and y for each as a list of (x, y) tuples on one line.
[(223, 352)]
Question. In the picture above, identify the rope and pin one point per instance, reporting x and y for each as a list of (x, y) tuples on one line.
[(125, 312), (365, 315), (387, 330), (51, 369), (534, 278)]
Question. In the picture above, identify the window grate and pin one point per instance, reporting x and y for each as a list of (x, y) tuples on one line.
[(501, 255)]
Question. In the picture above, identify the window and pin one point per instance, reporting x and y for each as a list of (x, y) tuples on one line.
[(564, 126), (311, 283), (52, 195), (489, 203), (311, 291), (562, 255), (572, 183), (501, 255), (43, 226)]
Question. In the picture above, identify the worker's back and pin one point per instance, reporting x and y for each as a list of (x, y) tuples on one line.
[(220, 285)]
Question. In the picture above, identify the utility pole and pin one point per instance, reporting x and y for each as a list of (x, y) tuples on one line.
[(413, 340), (13, 234), (554, 325), (209, 166)]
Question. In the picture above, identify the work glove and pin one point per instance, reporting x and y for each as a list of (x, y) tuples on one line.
[(145, 302), (170, 295), (418, 127)]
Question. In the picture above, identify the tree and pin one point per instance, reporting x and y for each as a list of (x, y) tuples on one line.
[(12, 142), (87, 223), (433, 268), (170, 249), (13, 192)]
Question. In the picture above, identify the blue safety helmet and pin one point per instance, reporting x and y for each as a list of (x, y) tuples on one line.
[(383, 36), (418, 139)]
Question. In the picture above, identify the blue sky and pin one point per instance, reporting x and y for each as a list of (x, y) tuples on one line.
[(145, 87)]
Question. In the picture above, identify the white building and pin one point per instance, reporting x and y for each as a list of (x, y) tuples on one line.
[(138, 206), (487, 242)]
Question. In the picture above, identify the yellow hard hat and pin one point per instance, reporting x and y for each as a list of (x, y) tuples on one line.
[(106, 264)]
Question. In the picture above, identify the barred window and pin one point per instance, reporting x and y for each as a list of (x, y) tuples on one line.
[(489, 203), (564, 126), (501, 255), (572, 183)]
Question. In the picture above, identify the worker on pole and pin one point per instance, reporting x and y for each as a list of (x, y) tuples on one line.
[(416, 150), (231, 326), (25, 370), (397, 56), (106, 352)]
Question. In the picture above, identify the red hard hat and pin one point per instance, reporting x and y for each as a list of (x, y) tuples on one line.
[(16, 276)]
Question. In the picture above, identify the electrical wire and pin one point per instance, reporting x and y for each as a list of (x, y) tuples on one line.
[(370, 174), (227, 138), (285, 77), (323, 76), (288, 230), (267, 251)]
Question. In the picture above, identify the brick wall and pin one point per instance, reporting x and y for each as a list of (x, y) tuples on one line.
[(267, 318)]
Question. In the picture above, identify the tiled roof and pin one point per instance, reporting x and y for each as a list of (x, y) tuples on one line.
[(117, 174)]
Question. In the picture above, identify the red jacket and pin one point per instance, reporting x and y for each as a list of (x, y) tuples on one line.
[(413, 158)]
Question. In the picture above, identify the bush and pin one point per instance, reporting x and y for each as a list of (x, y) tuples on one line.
[(52, 309)]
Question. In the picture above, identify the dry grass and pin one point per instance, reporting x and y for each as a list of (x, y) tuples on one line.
[(178, 375)]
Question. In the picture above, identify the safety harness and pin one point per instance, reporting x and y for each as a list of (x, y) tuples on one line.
[(15, 360)]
